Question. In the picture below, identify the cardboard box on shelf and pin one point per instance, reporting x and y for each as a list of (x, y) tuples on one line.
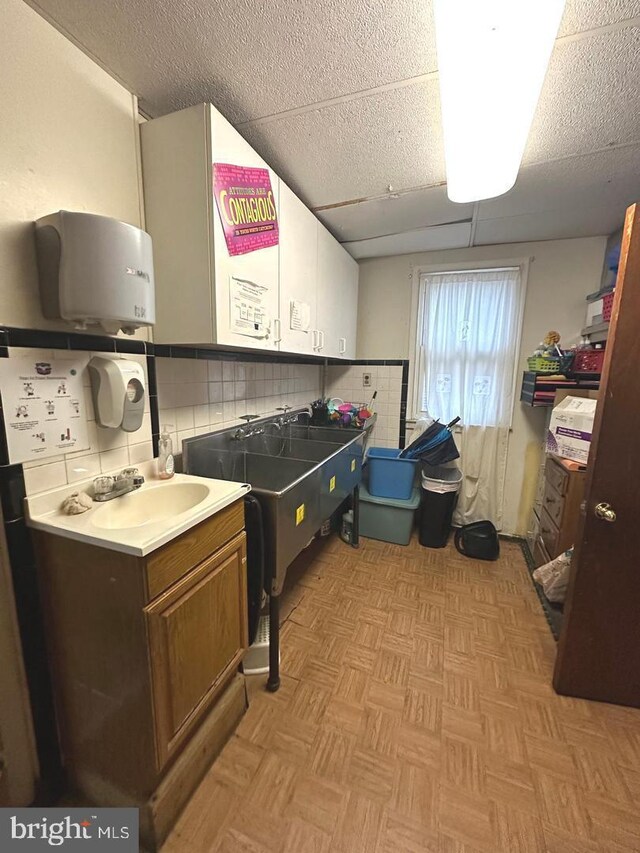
[(571, 427)]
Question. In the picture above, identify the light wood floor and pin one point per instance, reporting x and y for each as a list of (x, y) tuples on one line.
[(416, 713)]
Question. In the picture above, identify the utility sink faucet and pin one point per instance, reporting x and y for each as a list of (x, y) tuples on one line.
[(247, 431), (107, 488)]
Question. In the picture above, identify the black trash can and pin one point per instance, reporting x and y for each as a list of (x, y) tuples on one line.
[(440, 487)]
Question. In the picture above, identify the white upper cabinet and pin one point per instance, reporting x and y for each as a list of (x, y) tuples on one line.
[(246, 285), (208, 195), (298, 274), (204, 294), (337, 298)]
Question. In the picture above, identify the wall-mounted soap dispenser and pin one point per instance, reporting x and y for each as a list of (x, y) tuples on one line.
[(95, 270), (118, 392)]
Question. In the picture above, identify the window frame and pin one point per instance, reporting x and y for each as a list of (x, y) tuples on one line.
[(414, 411)]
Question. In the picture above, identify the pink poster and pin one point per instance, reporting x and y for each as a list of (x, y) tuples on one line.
[(247, 208)]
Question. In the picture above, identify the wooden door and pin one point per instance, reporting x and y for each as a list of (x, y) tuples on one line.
[(197, 636), (599, 648), (298, 273)]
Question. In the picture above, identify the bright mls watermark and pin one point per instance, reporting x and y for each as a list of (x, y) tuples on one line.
[(34, 830)]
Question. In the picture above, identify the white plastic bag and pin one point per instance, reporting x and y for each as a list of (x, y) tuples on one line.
[(553, 577)]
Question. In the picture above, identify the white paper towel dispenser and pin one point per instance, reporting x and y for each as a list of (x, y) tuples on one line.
[(95, 270), (118, 386)]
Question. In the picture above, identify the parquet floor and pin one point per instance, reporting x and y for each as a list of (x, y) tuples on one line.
[(416, 713)]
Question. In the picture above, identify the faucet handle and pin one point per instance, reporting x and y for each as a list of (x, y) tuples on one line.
[(284, 408), (103, 485), (127, 473), (247, 418)]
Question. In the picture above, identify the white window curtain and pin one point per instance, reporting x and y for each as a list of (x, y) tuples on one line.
[(467, 339)]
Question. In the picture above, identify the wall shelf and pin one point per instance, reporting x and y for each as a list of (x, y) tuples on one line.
[(539, 389), (597, 333)]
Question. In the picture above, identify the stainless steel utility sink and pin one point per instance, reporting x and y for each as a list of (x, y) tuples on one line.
[(284, 447), (335, 435), (300, 474)]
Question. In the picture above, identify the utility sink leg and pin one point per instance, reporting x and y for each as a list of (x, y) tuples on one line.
[(355, 531), (273, 682)]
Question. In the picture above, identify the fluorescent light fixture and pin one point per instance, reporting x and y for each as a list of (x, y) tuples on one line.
[(492, 59)]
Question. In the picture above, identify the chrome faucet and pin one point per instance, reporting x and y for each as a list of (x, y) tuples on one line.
[(246, 432), (243, 432), (285, 419), (107, 488)]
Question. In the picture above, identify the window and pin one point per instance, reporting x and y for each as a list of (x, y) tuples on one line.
[(468, 330)]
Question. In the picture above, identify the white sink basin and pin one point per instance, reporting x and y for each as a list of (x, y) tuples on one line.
[(149, 506), (140, 521)]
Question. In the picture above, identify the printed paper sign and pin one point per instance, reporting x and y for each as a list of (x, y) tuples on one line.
[(246, 205), (248, 308), (299, 316), (43, 405)]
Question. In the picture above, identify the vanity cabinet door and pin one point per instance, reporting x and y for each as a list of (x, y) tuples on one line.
[(197, 637)]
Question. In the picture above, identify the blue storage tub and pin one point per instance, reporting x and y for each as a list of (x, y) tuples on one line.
[(388, 519), (390, 476)]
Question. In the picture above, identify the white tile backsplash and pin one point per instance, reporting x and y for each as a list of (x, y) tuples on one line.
[(232, 389), (109, 450), (346, 382), (194, 396)]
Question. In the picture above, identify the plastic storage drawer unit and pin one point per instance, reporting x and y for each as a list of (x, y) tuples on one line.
[(387, 519), (390, 476)]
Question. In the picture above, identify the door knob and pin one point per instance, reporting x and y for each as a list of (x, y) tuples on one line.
[(605, 512)]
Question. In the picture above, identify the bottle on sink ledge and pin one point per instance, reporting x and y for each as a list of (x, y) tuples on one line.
[(166, 465)]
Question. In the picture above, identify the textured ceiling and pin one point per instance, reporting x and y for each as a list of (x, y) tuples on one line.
[(342, 99)]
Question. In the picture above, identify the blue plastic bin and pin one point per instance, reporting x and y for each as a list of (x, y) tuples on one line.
[(390, 476), (387, 519)]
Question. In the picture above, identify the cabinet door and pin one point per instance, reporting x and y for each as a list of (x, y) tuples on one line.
[(348, 296), (197, 637), (259, 268), (337, 298), (329, 303), (298, 273)]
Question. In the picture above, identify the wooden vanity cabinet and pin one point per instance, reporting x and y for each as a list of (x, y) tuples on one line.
[(144, 653), (197, 632)]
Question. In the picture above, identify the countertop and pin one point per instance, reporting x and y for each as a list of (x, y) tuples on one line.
[(94, 527)]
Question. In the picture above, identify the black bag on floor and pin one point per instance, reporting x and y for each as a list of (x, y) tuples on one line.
[(478, 540)]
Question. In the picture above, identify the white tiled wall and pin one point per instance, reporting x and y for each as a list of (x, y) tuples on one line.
[(347, 382), (110, 449), (197, 396)]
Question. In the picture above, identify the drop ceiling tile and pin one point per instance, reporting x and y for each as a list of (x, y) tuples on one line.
[(358, 148), (609, 178), (420, 240), (391, 215), (582, 15), (251, 59), (588, 98), (551, 225)]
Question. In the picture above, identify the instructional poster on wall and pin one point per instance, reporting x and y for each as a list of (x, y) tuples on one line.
[(43, 404), (247, 208), (248, 308)]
